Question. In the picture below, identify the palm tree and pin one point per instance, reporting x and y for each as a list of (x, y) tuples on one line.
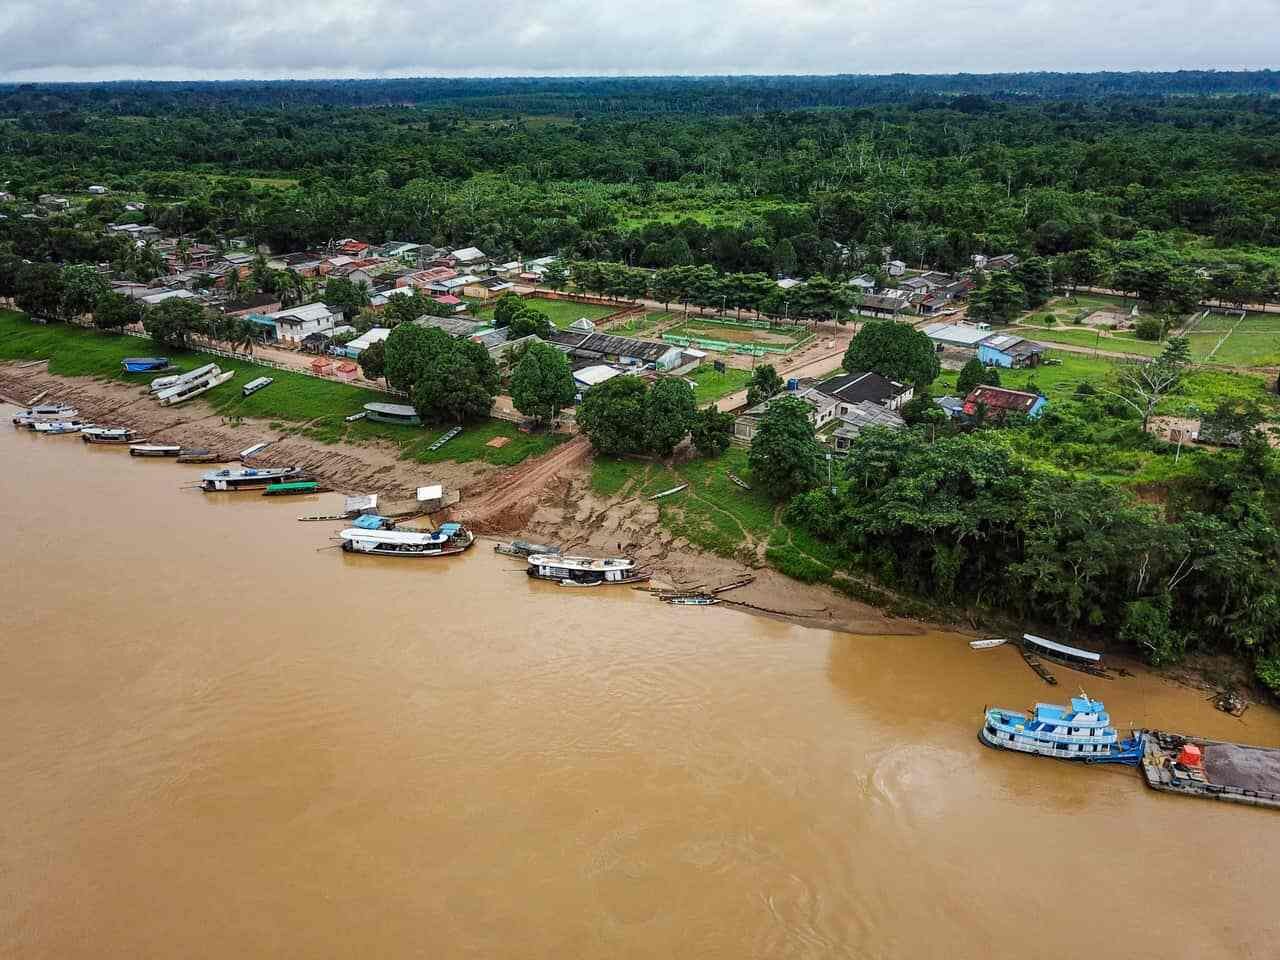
[(232, 284), (244, 332)]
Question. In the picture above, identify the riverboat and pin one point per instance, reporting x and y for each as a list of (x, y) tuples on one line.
[(108, 435), (154, 450), (192, 389), (294, 489), (1081, 731), (247, 479), (144, 364), (253, 386), (57, 426), (988, 642), (44, 413), (449, 539), (698, 601), (401, 413), (585, 571), (160, 384)]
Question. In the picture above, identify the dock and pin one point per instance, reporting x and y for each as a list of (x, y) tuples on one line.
[(1227, 771)]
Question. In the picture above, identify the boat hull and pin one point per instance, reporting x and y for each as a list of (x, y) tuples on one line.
[(449, 550), (641, 577), (153, 452)]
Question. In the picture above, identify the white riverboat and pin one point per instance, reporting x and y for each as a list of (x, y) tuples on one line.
[(1081, 731), (585, 571), (154, 450), (160, 384), (247, 479), (44, 413), (57, 426), (109, 435), (187, 391), (449, 539)]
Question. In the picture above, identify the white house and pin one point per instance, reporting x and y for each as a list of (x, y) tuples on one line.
[(895, 268), (469, 256), (787, 283), (97, 190), (297, 323), (864, 283)]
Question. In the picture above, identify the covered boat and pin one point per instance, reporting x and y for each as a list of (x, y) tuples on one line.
[(523, 548), (450, 538), (57, 426), (186, 391), (44, 412), (154, 450), (401, 413), (160, 384), (253, 386), (108, 435), (585, 571), (1081, 731), (250, 478), (291, 489), (144, 364)]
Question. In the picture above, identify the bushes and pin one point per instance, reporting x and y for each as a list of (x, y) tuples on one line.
[(796, 565)]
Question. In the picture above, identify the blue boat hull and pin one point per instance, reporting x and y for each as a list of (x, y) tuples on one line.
[(144, 364)]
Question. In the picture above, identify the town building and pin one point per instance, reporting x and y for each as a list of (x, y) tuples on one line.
[(297, 323), (996, 403), (822, 410), (858, 417), (625, 350), (1010, 350), (865, 387)]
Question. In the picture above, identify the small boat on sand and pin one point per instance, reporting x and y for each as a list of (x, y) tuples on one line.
[(449, 539), (701, 601), (585, 571), (187, 391), (253, 386), (160, 384), (988, 642), (109, 435), (44, 413), (144, 364), (154, 450), (250, 478)]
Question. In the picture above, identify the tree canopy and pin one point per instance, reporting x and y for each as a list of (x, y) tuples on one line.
[(894, 350)]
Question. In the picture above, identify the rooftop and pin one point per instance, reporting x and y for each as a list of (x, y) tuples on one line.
[(1000, 398), (863, 385)]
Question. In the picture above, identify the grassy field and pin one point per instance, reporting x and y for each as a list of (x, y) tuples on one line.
[(640, 326), (775, 335), (1251, 342), (561, 313), (317, 408), (712, 385), (1065, 309), (1085, 337)]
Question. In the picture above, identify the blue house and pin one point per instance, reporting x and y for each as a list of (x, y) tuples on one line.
[(1009, 350), (998, 402)]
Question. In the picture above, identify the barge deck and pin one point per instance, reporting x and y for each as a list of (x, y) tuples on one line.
[(1226, 771)]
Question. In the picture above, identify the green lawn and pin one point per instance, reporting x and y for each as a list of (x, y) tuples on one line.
[(1251, 342), (316, 407), (711, 385), (561, 313), (638, 326), (1085, 337)]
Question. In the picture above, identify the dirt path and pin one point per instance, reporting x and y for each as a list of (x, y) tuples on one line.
[(513, 496)]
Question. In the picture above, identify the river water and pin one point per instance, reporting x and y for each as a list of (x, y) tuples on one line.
[(220, 742)]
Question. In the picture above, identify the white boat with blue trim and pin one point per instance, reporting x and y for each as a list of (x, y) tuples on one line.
[(449, 539), (1081, 731), (584, 571)]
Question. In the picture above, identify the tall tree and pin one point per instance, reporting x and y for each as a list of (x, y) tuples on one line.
[(894, 350), (785, 456), (542, 383), (668, 415), (612, 415)]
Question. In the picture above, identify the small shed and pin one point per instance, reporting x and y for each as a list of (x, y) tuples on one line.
[(1009, 350), (582, 325)]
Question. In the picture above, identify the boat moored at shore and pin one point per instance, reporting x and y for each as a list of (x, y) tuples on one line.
[(449, 539), (58, 426), (161, 384), (585, 571), (43, 414), (187, 391), (144, 364), (154, 450), (1081, 731), (250, 478), (109, 435)]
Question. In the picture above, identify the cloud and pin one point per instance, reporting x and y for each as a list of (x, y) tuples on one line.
[(182, 39)]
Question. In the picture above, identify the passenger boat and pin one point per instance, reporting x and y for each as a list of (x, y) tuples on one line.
[(293, 489), (160, 384), (108, 435), (154, 450), (1076, 658), (57, 426), (449, 539), (698, 601), (988, 642), (523, 548), (253, 386), (584, 571), (187, 391), (247, 479), (44, 412), (144, 364), (1081, 731), (401, 413)]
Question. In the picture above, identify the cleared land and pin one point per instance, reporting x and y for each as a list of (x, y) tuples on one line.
[(561, 313), (712, 385)]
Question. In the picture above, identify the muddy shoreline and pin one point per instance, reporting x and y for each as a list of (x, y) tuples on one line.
[(528, 500)]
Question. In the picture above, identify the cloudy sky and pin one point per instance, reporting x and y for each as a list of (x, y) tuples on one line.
[(183, 39)]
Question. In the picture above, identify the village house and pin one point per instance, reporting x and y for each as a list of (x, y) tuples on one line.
[(406, 253), (487, 288), (863, 282), (926, 282), (894, 268), (97, 190), (1010, 350), (305, 264), (136, 231), (1006, 261), (822, 410), (788, 283), (367, 339), (996, 403), (865, 386), (942, 297), (297, 323), (624, 350), (457, 326), (858, 417), (469, 257), (958, 336), (886, 305), (258, 303), (50, 202)]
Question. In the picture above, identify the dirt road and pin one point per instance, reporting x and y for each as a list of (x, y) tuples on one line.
[(512, 497)]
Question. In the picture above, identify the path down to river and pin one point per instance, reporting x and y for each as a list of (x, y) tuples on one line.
[(510, 498)]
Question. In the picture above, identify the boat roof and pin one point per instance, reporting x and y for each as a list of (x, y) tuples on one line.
[(393, 536), (1062, 648), (156, 446), (229, 473), (580, 563), (392, 409)]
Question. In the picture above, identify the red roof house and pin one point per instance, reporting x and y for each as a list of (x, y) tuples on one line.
[(999, 402)]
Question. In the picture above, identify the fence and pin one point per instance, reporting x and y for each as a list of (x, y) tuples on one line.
[(727, 346)]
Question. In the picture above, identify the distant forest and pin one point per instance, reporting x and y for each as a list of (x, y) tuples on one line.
[(588, 96)]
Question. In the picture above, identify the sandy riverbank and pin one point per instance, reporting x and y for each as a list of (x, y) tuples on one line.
[(555, 504)]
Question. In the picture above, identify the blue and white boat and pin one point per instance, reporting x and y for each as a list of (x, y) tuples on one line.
[(449, 539), (144, 364), (1081, 731)]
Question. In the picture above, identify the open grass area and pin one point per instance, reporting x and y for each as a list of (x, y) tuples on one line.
[(778, 335), (317, 408), (561, 313), (712, 385), (1092, 339), (1253, 341), (640, 326)]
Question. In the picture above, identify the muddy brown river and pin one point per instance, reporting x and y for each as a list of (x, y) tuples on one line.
[(217, 741)]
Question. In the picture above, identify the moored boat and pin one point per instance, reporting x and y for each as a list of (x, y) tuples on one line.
[(154, 450), (691, 601), (253, 386), (988, 642), (160, 384), (294, 489), (585, 571), (44, 413), (57, 426), (109, 435), (523, 548), (247, 479), (144, 364), (1081, 731), (197, 455), (449, 539), (187, 391)]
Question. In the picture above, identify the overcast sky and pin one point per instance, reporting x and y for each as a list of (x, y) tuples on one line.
[(182, 39)]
